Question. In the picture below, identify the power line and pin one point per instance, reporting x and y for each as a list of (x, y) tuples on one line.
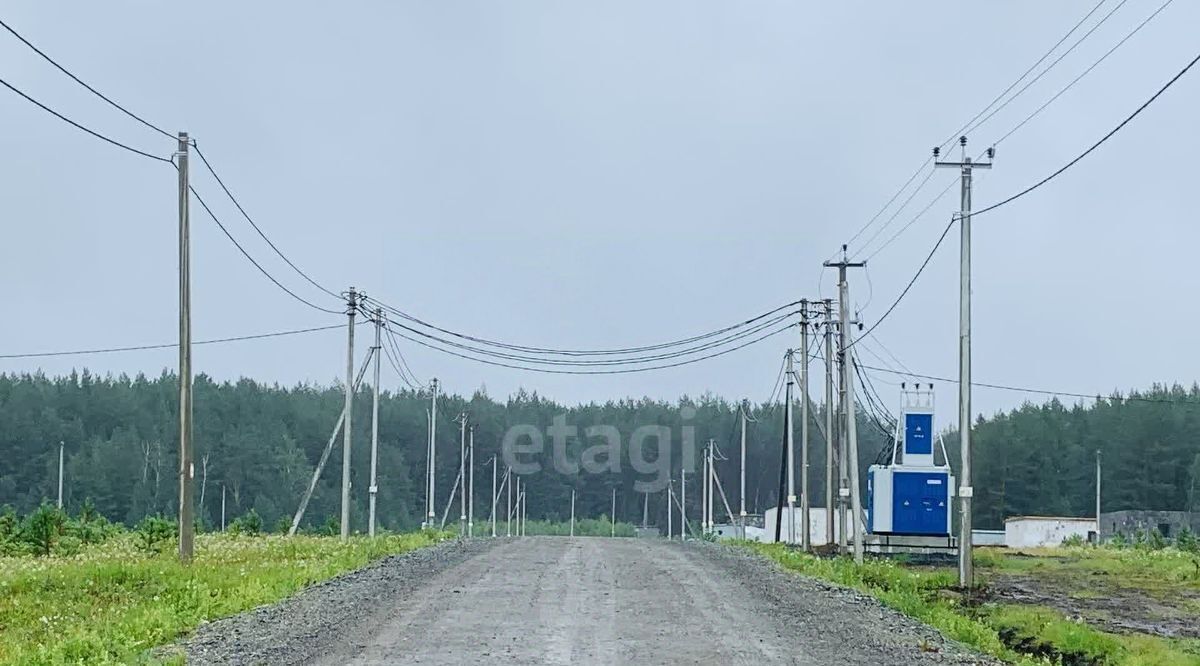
[(1094, 146), (599, 372), (913, 221), (263, 235), (1029, 189), (85, 85), (387, 352), (982, 111), (896, 213), (397, 360), (975, 125), (1083, 74), (113, 350), (251, 259), (76, 125), (580, 352), (1026, 389), (603, 362)]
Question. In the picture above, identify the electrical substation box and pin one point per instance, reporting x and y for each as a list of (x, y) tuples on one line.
[(909, 493)]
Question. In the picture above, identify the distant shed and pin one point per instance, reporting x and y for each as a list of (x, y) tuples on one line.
[(1044, 531)]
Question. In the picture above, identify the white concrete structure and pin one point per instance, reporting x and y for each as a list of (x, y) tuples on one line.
[(987, 537), (816, 531), (1044, 531), (727, 531)]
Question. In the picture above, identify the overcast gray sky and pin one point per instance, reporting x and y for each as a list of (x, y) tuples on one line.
[(575, 174)]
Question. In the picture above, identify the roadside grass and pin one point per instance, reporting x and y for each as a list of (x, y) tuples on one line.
[(1013, 633), (113, 602)]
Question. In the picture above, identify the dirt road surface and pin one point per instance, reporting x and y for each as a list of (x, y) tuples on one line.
[(555, 600)]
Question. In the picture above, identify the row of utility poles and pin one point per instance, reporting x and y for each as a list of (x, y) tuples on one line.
[(843, 430)]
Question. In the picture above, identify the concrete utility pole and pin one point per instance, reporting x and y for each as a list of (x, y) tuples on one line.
[(704, 490), (471, 483), (374, 489), (509, 513), (712, 474), (222, 507), (613, 517), (670, 509), (965, 490), (187, 523), (431, 469), (572, 512), (495, 497), (851, 436), (742, 409), (804, 517), (351, 311), (790, 454), (462, 473), (1097, 495), (524, 512), (61, 455), (645, 510), (830, 435), (682, 504), (316, 476)]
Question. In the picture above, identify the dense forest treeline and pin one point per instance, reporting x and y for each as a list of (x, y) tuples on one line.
[(262, 442)]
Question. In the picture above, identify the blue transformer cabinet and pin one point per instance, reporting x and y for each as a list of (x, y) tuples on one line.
[(910, 495)]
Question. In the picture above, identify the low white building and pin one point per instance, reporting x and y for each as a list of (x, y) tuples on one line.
[(726, 531), (816, 526), (1044, 531)]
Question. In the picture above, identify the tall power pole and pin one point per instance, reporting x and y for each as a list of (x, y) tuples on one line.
[(573, 512), (670, 509), (704, 490), (804, 518), (682, 504), (63, 455), (509, 505), (471, 482), (431, 470), (374, 489), (187, 527), (742, 409), (462, 473), (830, 435), (495, 497), (708, 484), (850, 451), (613, 527), (351, 311), (789, 455), (1097, 495), (965, 490)]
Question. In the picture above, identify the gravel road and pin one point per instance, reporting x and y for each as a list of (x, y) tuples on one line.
[(555, 600)]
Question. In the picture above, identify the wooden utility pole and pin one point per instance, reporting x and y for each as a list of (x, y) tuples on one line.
[(187, 525)]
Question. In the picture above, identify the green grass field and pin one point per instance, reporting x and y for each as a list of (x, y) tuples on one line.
[(111, 603), (1019, 634)]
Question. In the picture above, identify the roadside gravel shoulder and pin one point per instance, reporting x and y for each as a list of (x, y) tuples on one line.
[(837, 620), (305, 624)]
